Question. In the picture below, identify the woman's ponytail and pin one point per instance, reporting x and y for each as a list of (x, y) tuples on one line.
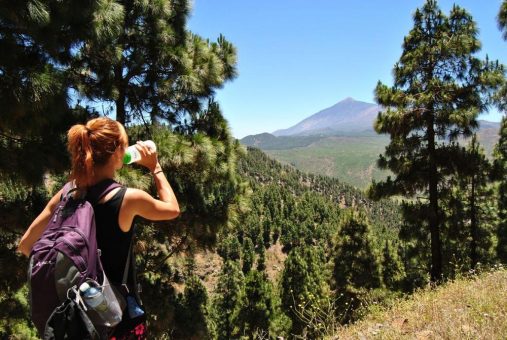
[(81, 155)]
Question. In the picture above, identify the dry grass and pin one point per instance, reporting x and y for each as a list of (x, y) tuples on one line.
[(472, 308), (275, 259)]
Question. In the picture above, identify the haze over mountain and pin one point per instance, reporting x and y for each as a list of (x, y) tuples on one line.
[(347, 116)]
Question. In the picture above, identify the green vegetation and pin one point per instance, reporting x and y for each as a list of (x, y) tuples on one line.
[(292, 254)]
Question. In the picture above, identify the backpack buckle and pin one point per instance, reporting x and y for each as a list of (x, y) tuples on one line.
[(126, 287), (78, 299)]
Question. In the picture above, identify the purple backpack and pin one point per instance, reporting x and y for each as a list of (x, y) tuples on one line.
[(66, 255)]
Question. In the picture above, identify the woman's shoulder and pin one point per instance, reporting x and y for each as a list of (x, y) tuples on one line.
[(109, 191), (135, 194)]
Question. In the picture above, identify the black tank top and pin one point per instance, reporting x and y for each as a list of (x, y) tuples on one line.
[(111, 240)]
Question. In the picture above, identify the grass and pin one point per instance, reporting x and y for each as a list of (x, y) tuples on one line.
[(469, 308)]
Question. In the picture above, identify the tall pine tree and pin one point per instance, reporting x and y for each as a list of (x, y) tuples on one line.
[(439, 89), (392, 268), (260, 314), (500, 154), (499, 170)]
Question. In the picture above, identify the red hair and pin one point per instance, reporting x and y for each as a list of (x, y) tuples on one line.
[(92, 145)]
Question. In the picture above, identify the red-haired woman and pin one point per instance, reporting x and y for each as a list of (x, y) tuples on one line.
[(97, 151)]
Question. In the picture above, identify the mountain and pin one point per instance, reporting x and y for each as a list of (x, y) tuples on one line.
[(348, 116)]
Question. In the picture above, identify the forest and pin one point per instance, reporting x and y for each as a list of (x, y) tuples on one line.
[(441, 213)]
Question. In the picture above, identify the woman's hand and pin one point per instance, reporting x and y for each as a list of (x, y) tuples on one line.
[(148, 157)]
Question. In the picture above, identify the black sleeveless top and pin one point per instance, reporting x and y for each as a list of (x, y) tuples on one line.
[(111, 240)]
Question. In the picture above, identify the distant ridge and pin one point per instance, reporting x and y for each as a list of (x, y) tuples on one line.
[(348, 115), (258, 140)]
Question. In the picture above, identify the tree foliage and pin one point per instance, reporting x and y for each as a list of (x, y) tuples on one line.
[(356, 265), (230, 298), (304, 283)]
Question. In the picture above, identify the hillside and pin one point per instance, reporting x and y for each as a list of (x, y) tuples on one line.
[(261, 170), (473, 308), (264, 173)]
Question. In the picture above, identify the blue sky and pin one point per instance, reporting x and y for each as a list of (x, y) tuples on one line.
[(297, 57)]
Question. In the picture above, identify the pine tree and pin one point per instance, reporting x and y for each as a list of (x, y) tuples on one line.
[(474, 182), (456, 228), (192, 315), (502, 19), (151, 67), (500, 169), (393, 272), (261, 260), (303, 284), (259, 310), (500, 155), (230, 298), (439, 89), (355, 263), (248, 255), (267, 229), (37, 40)]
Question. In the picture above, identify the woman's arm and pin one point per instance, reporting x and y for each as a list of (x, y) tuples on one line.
[(38, 225), (138, 202)]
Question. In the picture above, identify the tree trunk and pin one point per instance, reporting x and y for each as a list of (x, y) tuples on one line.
[(433, 216), (473, 227), (120, 102), (501, 232)]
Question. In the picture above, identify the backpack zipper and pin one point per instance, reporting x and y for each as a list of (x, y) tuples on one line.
[(78, 257)]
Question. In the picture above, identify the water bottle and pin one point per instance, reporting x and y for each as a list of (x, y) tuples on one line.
[(94, 299), (133, 155), (133, 308)]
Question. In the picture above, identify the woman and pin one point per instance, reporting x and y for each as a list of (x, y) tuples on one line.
[(97, 151)]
